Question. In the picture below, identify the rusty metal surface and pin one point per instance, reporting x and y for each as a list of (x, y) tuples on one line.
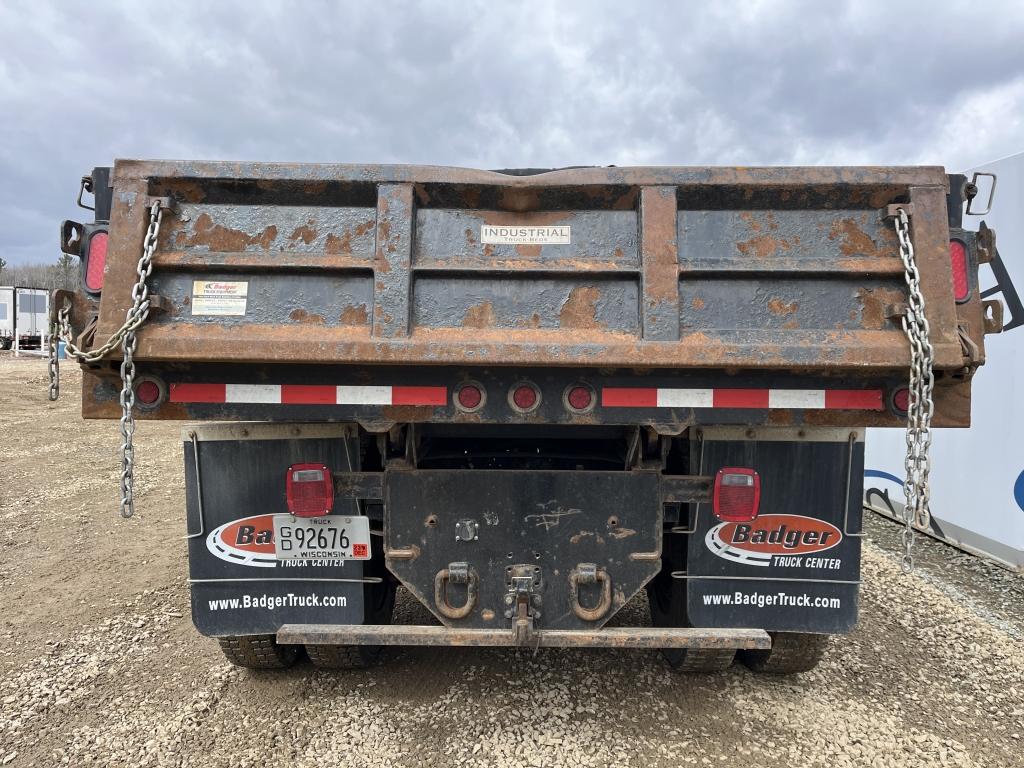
[(614, 637), (693, 268)]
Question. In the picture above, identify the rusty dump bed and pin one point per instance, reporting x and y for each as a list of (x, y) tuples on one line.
[(790, 271)]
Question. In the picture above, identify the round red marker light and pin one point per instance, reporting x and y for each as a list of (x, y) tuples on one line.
[(524, 397), (470, 397), (147, 392), (580, 398), (901, 400)]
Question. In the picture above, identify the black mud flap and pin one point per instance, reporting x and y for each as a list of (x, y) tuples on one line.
[(796, 567), (238, 587)]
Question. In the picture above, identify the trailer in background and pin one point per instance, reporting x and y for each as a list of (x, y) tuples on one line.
[(977, 476), (24, 317), (6, 316)]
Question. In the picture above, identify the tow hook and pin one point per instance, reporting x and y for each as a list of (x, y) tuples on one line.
[(523, 600), (455, 573), (589, 573)]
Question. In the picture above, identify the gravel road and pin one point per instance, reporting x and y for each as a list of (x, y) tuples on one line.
[(101, 666)]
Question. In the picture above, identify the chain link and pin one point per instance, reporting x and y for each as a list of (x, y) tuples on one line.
[(54, 363), (125, 337), (917, 463)]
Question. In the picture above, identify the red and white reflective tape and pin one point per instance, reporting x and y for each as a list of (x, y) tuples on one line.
[(307, 394), (811, 399)]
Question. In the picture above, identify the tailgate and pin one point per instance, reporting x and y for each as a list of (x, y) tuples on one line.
[(747, 268)]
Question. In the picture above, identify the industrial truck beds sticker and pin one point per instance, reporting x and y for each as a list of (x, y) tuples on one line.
[(219, 297), (491, 234), (792, 541)]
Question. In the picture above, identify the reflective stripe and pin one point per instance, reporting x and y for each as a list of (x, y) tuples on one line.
[(796, 398), (810, 399), (252, 393), (686, 398), (363, 395)]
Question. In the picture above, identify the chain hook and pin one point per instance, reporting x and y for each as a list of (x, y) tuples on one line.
[(921, 407)]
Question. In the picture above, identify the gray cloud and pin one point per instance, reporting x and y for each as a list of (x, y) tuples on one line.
[(494, 85)]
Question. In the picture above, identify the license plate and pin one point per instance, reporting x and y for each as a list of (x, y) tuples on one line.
[(333, 537)]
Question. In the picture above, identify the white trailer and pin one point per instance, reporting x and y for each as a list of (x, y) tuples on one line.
[(977, 476), (33, 316), (24, 317), (6, 316)]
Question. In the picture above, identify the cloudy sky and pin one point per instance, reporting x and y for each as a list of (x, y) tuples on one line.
[(492, 84)]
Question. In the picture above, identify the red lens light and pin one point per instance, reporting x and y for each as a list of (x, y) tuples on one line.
[(580, 398), (901, 400), (148, 392), (737, 494), (525, 397), (958, 259), (309, 490), (96, 262), (470, 397)]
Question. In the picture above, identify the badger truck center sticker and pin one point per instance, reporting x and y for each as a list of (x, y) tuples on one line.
[(789, 541)]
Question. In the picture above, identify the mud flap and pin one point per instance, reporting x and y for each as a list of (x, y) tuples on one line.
[(238, 587), (796, 567)]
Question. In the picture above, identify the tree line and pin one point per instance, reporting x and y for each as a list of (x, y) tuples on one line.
[(65, 273)]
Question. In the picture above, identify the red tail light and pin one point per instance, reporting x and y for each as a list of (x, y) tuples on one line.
[(96, 262), (737, 494), (309, 490), (579, 398), (469, 397), (147, 392), (901, 400), (524, 397), (961, 280)]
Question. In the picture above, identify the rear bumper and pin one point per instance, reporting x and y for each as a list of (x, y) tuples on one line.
[(617, 637)]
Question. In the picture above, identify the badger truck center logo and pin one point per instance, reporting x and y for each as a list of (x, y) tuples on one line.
[(249, 541), (768, 536)]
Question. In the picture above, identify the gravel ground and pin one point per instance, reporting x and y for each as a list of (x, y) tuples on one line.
[(101, 666)]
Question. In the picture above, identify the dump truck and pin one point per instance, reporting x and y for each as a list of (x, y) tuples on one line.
[(528, 396)]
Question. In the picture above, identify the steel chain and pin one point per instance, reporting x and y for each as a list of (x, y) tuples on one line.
[(54, 364), (125, 336), (917, 463)]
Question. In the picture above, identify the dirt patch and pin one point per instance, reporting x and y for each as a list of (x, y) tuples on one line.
[(101, 666)]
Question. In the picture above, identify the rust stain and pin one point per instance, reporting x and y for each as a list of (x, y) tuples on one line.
[(355, 315), (469, 237), (622, 533), (305, 233), (855, 241), (697, 303), (873, 303), (580, 537), (533, 322), (336, 244), (365, 227), (580, 309), (762, 246), (778, 307), (479, 316), (302, 316), (752, 223), (220, 238)]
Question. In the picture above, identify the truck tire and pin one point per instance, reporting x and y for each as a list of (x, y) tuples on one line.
[(258, 652), (667, 598), (791, 652), (380, 606), (344, 656)]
